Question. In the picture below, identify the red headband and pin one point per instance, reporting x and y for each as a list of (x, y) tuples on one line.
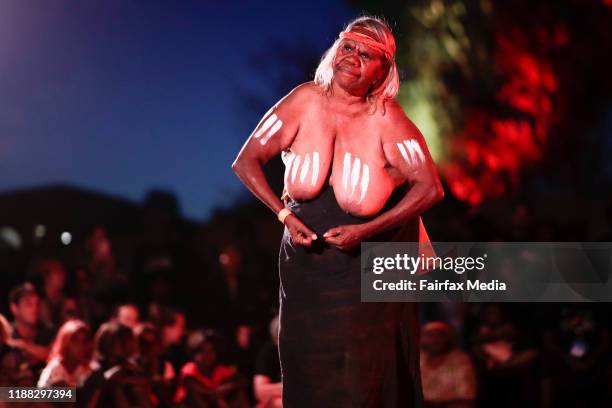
[(367, 40)]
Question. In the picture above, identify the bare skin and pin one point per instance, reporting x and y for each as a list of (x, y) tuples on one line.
[(336, 140)]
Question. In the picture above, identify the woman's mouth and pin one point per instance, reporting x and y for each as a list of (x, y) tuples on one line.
[(347, 70)]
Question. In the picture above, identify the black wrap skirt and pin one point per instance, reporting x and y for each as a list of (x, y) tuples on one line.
[(336, 351)]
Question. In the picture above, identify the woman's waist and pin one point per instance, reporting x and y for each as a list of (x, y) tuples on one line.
[(323, 211)]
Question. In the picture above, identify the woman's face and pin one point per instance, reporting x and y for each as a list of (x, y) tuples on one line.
[(80, 345), (207, 356), (357, 67)]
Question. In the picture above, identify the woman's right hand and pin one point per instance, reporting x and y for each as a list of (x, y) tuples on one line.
[(300, 233)]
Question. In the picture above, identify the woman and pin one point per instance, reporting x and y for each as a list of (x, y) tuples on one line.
[(205, 382), (69, 358), (356, 169)]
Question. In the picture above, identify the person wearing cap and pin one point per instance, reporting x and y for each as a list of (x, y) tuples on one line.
[(356, 169), (28, 333)]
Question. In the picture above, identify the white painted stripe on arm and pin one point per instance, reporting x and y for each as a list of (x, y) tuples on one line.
[(266, 125), (403, 152), (416, 154), (272, 131)]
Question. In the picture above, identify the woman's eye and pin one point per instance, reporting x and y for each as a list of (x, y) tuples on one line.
[(364, 55), (347, 47)]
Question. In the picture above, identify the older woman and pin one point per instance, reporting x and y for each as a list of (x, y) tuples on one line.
[(356, 169)]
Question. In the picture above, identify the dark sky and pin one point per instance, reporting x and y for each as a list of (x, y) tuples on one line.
[(121, 96)]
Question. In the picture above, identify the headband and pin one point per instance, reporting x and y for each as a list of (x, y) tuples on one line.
[(367, 40)]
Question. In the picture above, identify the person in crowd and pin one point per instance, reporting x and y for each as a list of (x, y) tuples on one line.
[(229, 288), (172, 325), (28, 332), (52, 303), (506, 360), (204, 381), (116, 381), (105, 282), (128, 315), (244, 352), (15, 368), (69, 360), (160, 372), (267, 384), (447, 372), (576, 358)]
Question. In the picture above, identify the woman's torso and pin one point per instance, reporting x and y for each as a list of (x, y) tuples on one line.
[(343, 151)]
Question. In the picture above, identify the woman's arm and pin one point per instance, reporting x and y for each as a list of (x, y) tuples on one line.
[(265, 390), (274, 133), (405, 151)]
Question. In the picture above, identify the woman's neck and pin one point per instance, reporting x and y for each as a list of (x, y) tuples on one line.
[(70, 364), (347, 103)]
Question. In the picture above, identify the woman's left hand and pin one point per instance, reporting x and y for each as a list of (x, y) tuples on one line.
[(346, 237)]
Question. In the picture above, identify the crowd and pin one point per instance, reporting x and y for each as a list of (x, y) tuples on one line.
[(129, 362), (129, 340)]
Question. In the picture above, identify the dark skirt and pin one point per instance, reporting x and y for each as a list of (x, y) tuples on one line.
[(336, 351)]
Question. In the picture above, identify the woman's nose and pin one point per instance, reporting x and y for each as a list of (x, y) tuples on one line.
[(353, 60)]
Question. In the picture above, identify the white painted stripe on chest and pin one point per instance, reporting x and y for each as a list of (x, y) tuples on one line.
[(305, 167), (355, 174), (288, 160), (294, 169), (315, 167), (365, 181), (346, 168)]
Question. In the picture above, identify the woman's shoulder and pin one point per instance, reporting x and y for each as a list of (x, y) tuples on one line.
[(395, 121), (298, 101), (52, 373), (305, 93)]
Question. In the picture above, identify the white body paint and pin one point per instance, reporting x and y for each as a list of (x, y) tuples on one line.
[(268, 129), (288, 158), (411, 152), (294, 170), (309, 162), (352, 172), (305, 167), (315, 168)]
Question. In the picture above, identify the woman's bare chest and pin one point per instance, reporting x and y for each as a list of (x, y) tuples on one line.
[(347, 156)]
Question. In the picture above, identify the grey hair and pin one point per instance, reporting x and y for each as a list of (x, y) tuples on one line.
[(379, 31)]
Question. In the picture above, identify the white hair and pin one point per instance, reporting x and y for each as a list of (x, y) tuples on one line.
[(379, 31)]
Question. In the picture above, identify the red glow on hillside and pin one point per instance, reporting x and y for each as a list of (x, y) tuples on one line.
[(492, 148)]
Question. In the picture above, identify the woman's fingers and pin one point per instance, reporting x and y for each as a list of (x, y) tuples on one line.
[(301, 234), (332, 232)]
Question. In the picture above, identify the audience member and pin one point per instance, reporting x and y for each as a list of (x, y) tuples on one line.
[(53, 301), (447, 373), (116, 381), (15, 367), (69, 360), (267, 384), (128, 315), (28, 332), (160, 372), (204, 382)]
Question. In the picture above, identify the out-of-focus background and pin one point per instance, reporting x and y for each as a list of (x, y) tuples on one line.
[(118, 124)]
